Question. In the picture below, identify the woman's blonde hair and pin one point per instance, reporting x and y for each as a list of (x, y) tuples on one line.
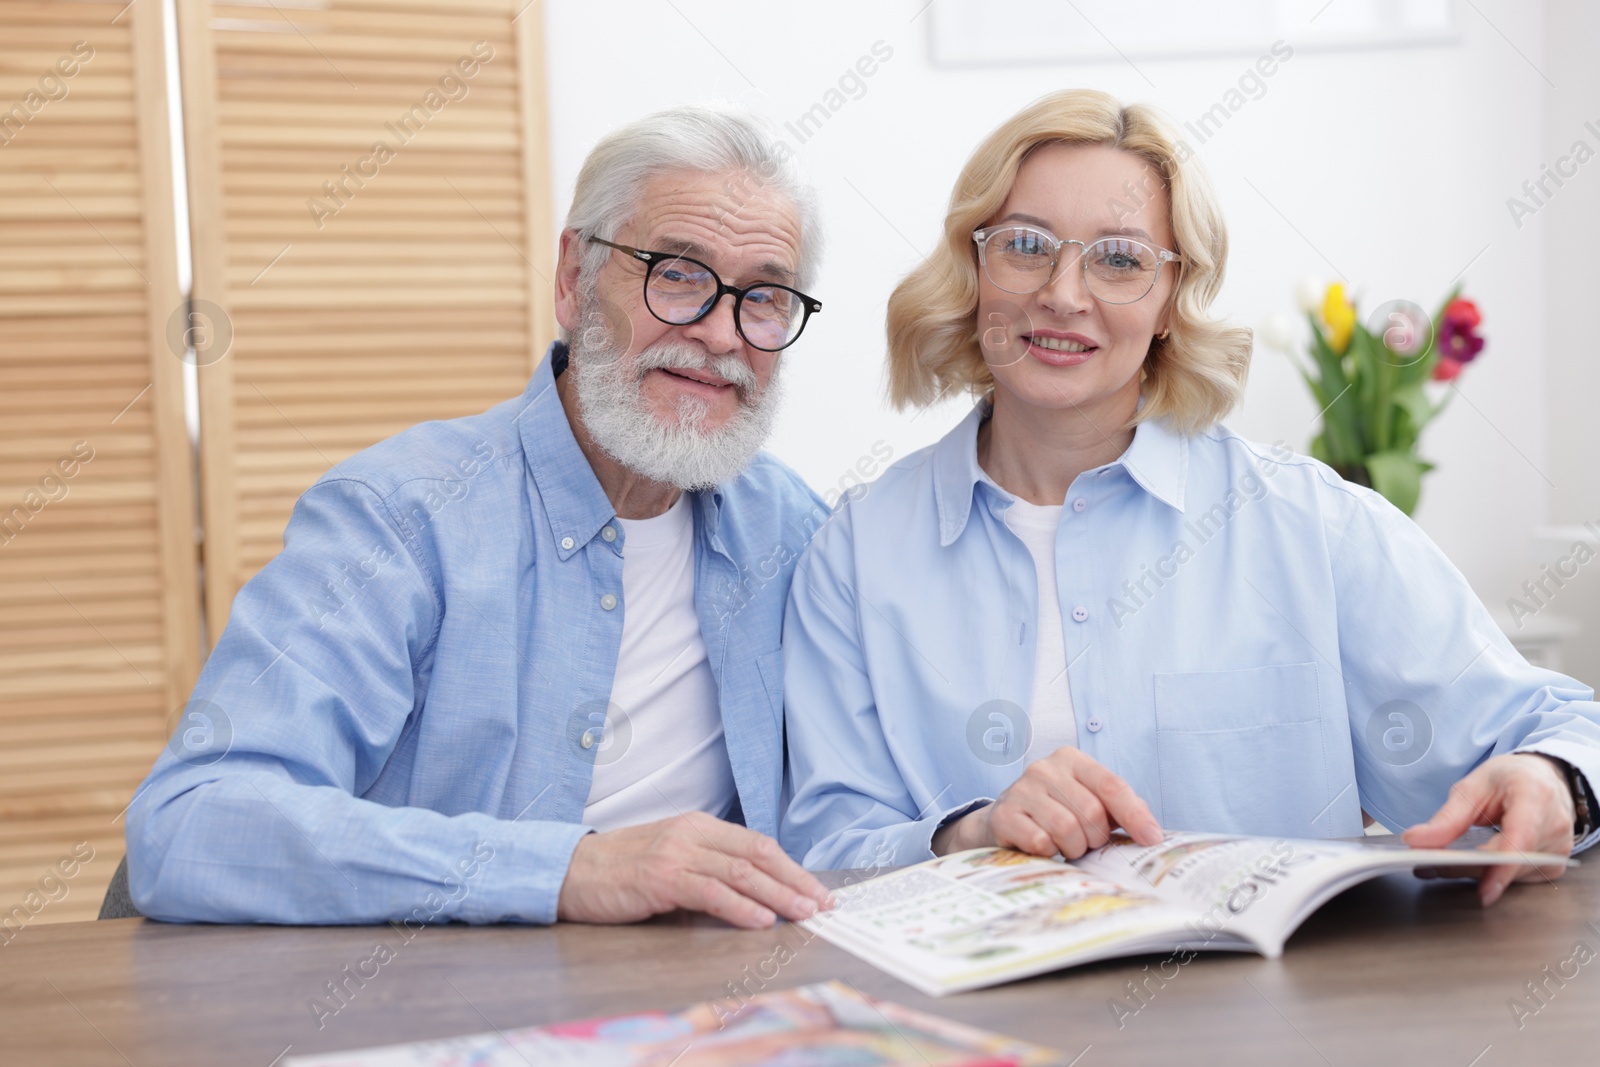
[(1192, 377)]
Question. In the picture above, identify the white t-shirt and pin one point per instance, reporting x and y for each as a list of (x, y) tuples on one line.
[(1050, 710), (664, 754)]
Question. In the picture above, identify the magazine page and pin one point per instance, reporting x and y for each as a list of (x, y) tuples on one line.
[(1258, 890), (826, 1024), (1235, 889), (988, 915)]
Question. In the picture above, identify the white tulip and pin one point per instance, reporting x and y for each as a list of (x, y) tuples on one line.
[(1280, 332), (1309, 293)]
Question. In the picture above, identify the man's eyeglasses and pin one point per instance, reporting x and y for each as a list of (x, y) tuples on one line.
[(1116, 270), (679, 290)]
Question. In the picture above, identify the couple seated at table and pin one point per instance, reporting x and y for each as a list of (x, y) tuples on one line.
[(526, 665)]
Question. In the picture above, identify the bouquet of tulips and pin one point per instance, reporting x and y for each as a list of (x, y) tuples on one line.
[(1371, 386)]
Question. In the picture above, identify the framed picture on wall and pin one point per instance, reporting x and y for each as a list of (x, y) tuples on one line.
[(985, 32)]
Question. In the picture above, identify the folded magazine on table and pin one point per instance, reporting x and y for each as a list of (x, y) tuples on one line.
[(990, 915), (829, 1024)]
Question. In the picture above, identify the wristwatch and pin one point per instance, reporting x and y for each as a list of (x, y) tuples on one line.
[(1583, 798)]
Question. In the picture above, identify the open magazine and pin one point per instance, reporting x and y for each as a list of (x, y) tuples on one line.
[(829, 1023), (989, 915)]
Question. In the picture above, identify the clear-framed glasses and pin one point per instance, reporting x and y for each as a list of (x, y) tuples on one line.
[(1023, 259), (679, 290)]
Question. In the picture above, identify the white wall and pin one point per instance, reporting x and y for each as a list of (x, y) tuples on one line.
[(1569, 228), (1391, 166)]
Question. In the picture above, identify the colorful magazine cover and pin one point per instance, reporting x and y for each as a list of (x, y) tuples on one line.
[(829, 1024)]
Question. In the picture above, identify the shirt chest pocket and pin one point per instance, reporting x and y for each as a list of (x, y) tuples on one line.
[(1241, 751)]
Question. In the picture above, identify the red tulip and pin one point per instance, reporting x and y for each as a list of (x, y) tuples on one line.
[(1463, 314)]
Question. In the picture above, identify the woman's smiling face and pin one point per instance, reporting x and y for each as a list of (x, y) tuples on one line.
[(1060, 348)]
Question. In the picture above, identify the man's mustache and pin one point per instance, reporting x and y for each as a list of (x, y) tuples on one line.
[(669, 356)]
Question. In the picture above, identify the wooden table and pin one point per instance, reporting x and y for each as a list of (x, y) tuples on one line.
[(1397, 971)]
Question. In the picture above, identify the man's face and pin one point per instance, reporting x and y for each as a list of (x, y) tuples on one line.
[(687, 404), (738, 227)]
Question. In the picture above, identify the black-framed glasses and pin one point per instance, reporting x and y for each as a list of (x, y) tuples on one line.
[(1116, 270), (679, 290)]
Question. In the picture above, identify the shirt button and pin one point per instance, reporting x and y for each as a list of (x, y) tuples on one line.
[(1093, 724), (567, 543), (608, 533), (587, 741), (1079, 504), (608, 602), (1080, 613)]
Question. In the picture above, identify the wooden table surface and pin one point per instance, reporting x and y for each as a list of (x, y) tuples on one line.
[(1396, 971)]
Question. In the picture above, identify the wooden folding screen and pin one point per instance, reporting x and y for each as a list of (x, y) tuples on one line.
[(99, 606), (370, 210)]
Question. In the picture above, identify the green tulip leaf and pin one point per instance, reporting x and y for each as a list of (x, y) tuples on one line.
[(1416, 403), (1398, 476)]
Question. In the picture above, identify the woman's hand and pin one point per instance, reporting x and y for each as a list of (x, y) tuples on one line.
[(1064, 803), (1525, 797)]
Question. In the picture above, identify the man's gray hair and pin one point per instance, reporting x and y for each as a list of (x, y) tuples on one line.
[(698, 137)]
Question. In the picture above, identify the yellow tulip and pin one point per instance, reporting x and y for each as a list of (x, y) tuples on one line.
[(1340, 316)]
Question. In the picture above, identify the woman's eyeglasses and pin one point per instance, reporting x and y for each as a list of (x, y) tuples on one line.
[(1023, 259)]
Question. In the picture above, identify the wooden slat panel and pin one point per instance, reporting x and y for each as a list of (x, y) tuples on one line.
[(367, 290), (99, 598)]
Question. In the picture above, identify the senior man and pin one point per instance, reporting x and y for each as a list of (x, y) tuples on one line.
[(525, 665)]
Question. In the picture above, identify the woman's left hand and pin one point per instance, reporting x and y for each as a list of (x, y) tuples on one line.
[(1523, 795)]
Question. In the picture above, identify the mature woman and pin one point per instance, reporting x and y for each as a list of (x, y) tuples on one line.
[(1091, 606)]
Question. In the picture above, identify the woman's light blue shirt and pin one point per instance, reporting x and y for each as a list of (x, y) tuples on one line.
[(1254, 644)]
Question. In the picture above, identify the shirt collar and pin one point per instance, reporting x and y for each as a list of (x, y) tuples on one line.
[(708, 514), (578, 507), (1157, 461), (956, 473)]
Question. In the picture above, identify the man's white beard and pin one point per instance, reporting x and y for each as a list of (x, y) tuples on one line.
[(682, 453)]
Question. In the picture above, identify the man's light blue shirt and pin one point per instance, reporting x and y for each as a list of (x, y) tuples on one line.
[(400, 704), (1255, 645)]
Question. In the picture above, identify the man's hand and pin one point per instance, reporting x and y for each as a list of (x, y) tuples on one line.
[(1526, 798), (693, 861), (1065, 803)]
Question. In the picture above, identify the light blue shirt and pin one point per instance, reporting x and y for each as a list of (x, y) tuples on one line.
[(1255, 645), (399, 703)]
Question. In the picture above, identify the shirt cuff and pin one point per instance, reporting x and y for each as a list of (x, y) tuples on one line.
[(523, 871), (955, 814), (912, 842), (1585, 759)]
